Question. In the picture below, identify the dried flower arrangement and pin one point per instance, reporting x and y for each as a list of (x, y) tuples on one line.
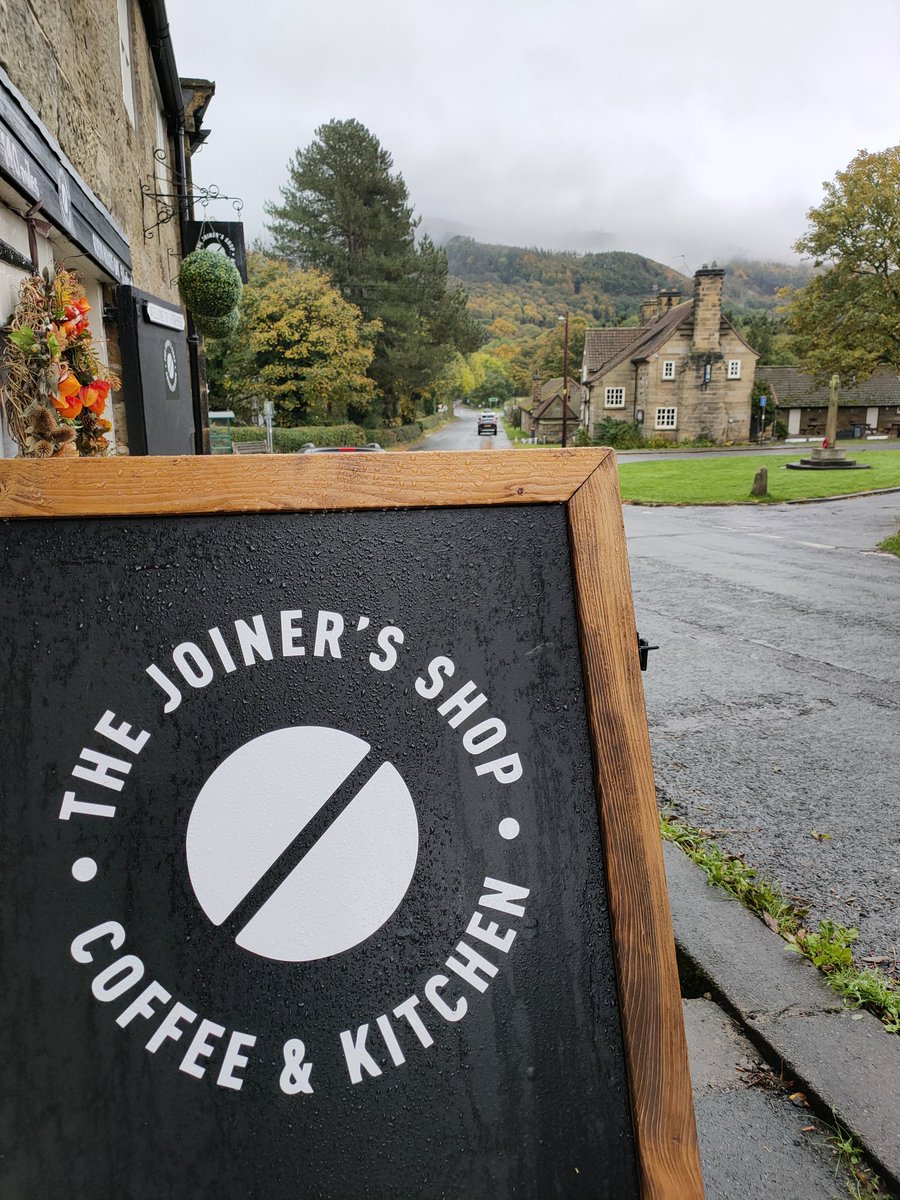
[(55, 387)]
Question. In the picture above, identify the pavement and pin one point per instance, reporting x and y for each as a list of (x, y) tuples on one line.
[(773, 708), (762, 1003)]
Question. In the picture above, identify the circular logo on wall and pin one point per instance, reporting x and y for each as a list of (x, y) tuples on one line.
[(170, 365), (343, 886)]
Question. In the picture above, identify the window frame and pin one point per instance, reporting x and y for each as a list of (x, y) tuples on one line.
[(126, 59), (619, 402), (734, 368), (668, 370), (661, 423)]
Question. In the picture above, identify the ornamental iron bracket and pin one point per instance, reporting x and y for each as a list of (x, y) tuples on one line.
[(160, 207)]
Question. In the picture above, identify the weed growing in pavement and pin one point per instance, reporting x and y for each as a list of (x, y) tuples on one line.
[(828, 947), (861, 1181), (891, 544)]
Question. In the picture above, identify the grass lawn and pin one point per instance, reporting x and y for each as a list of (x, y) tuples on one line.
[(727, 480)]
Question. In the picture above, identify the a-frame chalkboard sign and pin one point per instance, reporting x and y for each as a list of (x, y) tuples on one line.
[(331, 864)]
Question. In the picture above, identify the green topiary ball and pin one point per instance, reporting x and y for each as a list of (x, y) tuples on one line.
[(217, 327), (209, 283)]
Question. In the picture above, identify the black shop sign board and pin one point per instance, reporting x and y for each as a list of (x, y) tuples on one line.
[(330, 865)]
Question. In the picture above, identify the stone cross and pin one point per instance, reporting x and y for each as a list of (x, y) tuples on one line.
[(831, 419)]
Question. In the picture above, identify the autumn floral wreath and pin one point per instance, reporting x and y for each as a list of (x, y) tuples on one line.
[(55, 387)]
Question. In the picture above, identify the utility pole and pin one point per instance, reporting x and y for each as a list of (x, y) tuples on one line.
[(565, 392)]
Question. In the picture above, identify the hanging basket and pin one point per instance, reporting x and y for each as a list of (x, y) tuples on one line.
[(217, 327), (209, 284)]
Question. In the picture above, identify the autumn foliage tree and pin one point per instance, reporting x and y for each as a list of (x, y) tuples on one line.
[(847, 319), (299, 344)]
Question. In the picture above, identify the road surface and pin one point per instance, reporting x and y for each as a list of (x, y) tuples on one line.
[(462, 434), (774, 701)]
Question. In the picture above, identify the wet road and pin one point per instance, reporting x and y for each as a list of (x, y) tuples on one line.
[(462, 434), (774, 701)]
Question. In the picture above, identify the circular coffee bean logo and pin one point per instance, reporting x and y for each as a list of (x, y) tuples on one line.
[(170, 365), (251, 814)]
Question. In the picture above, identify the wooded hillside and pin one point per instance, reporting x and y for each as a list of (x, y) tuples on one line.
[(519, 294), (531, 286)]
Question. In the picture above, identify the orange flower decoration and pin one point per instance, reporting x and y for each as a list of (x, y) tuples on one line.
[(94, 395), (68, 408), (68, 386)]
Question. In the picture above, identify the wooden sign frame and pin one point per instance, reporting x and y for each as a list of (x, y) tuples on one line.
[(586, 482)]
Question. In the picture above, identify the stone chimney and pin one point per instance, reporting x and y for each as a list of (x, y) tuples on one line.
[(707, 309), (667, 298), (535, 390), (648, 310)]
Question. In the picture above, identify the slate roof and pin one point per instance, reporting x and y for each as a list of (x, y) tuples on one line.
[(793, 388), (600, 345), (645, 339)]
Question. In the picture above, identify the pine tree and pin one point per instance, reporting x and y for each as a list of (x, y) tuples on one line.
[(345, 211)]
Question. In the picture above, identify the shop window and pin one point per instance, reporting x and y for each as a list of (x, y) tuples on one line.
[(666, 418)]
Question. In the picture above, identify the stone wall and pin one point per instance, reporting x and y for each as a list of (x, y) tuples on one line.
[(65, 60), (719, 409)]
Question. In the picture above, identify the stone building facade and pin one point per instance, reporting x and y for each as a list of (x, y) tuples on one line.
[(94, 124), (683, 373)]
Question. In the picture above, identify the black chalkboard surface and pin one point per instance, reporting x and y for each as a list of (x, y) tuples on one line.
[(303, 884)]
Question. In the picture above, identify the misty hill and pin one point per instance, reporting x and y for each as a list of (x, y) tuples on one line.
[(531, 287)]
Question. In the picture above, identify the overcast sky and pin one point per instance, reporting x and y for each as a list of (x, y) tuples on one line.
[(701, 128)]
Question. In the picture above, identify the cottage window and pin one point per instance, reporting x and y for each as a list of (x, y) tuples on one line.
[(668, 371), (734, 368), (615, 397), (125, 57), (666, 418)]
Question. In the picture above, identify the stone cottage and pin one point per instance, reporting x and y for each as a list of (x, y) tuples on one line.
[(96, 135), (684, 372), (543, 417)]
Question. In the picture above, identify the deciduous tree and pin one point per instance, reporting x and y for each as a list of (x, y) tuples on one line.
[(300, 344), (847, 319)]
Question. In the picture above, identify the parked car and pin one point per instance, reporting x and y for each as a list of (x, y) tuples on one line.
[(487, 423), (371, 448)]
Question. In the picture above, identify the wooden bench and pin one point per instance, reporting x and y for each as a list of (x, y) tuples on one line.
[(250, 448)]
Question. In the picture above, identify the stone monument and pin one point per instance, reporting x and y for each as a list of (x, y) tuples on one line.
[(827, 456)]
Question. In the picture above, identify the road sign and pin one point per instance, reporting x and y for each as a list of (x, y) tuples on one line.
[(305, 890), (762, 402)]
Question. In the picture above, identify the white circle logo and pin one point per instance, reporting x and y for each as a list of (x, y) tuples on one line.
[(170, 365), (251, 811)]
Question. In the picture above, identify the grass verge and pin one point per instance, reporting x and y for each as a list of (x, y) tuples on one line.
[(727, 479), (828, 946), (891, 545)]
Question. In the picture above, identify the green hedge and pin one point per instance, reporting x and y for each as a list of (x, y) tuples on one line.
[(287, 439), (248, 433)]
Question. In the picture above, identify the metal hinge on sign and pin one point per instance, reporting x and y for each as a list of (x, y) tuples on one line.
[(644, 649)]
